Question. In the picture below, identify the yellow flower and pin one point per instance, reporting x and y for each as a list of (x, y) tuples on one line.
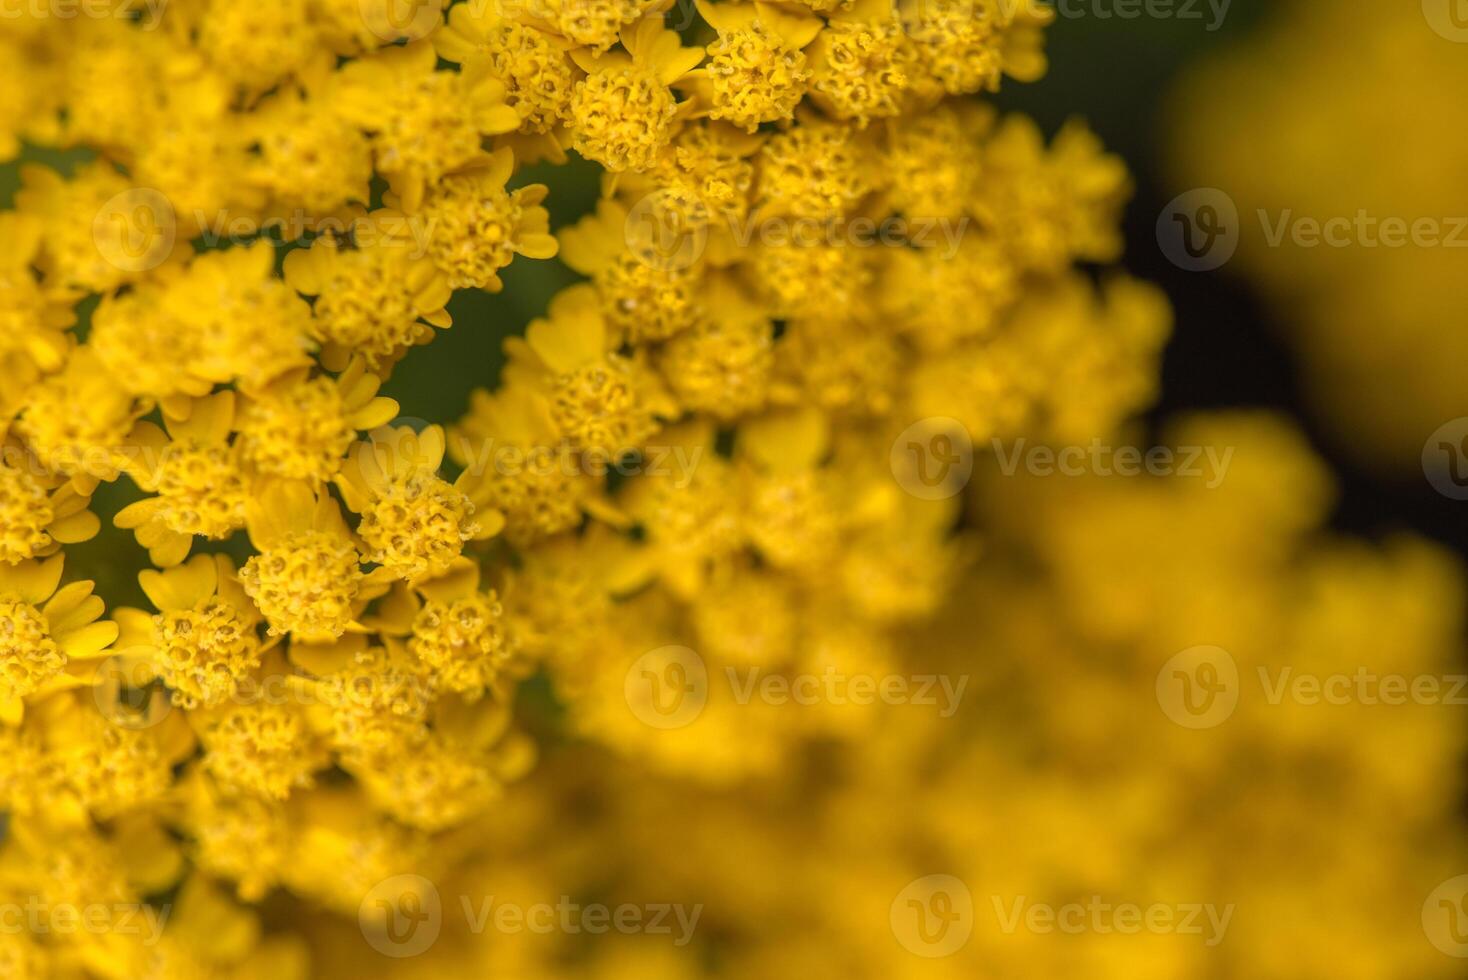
[(861, 62), (307, 576), (457, 630), (414, 524), (226, 318), (816, 170), (256, 45), (643, 299), (1052, 207), (722, 366), (840, 364), (791, 513), (374, 697), (299, 427), (238, 837), (622, 113), (33, 321), (700, 180), (77, 421), (933, 162), (370, 301), (48, 636), (194, 471), (598, 400), (202, 642), (476, 227), (310, 156), (423, 123), (690, 515), (517, 463), (39, 511), (756, 72), (595, 24), (533, 65), (262, 747), (966, 46), (938, 299), (431, 784)]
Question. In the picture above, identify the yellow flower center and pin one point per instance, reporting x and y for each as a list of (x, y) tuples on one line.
[(473, 231), (28, 655), (305, 585), (540, 496), (958, 45), (25, 513), (377, 700), (538, 76), (595, 23), (812, 171), (260, 748), (464, 641), (255, 44), (597, 407), (757, 77), (364, 307), (205, 651), (300, 433), (621, 118), (202, 489), (646, 301), (865, 69), (721, 366), (793, 522), (425, 129), (418, 527)]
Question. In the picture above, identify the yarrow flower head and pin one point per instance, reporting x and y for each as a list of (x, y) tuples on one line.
[(46, 632), (413, 523)]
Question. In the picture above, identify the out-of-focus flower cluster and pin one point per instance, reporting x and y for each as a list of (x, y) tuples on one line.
[(1372, 309), (1303, 827)]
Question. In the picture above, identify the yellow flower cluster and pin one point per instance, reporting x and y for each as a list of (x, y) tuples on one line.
[(1364, 262), (810, 241)]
